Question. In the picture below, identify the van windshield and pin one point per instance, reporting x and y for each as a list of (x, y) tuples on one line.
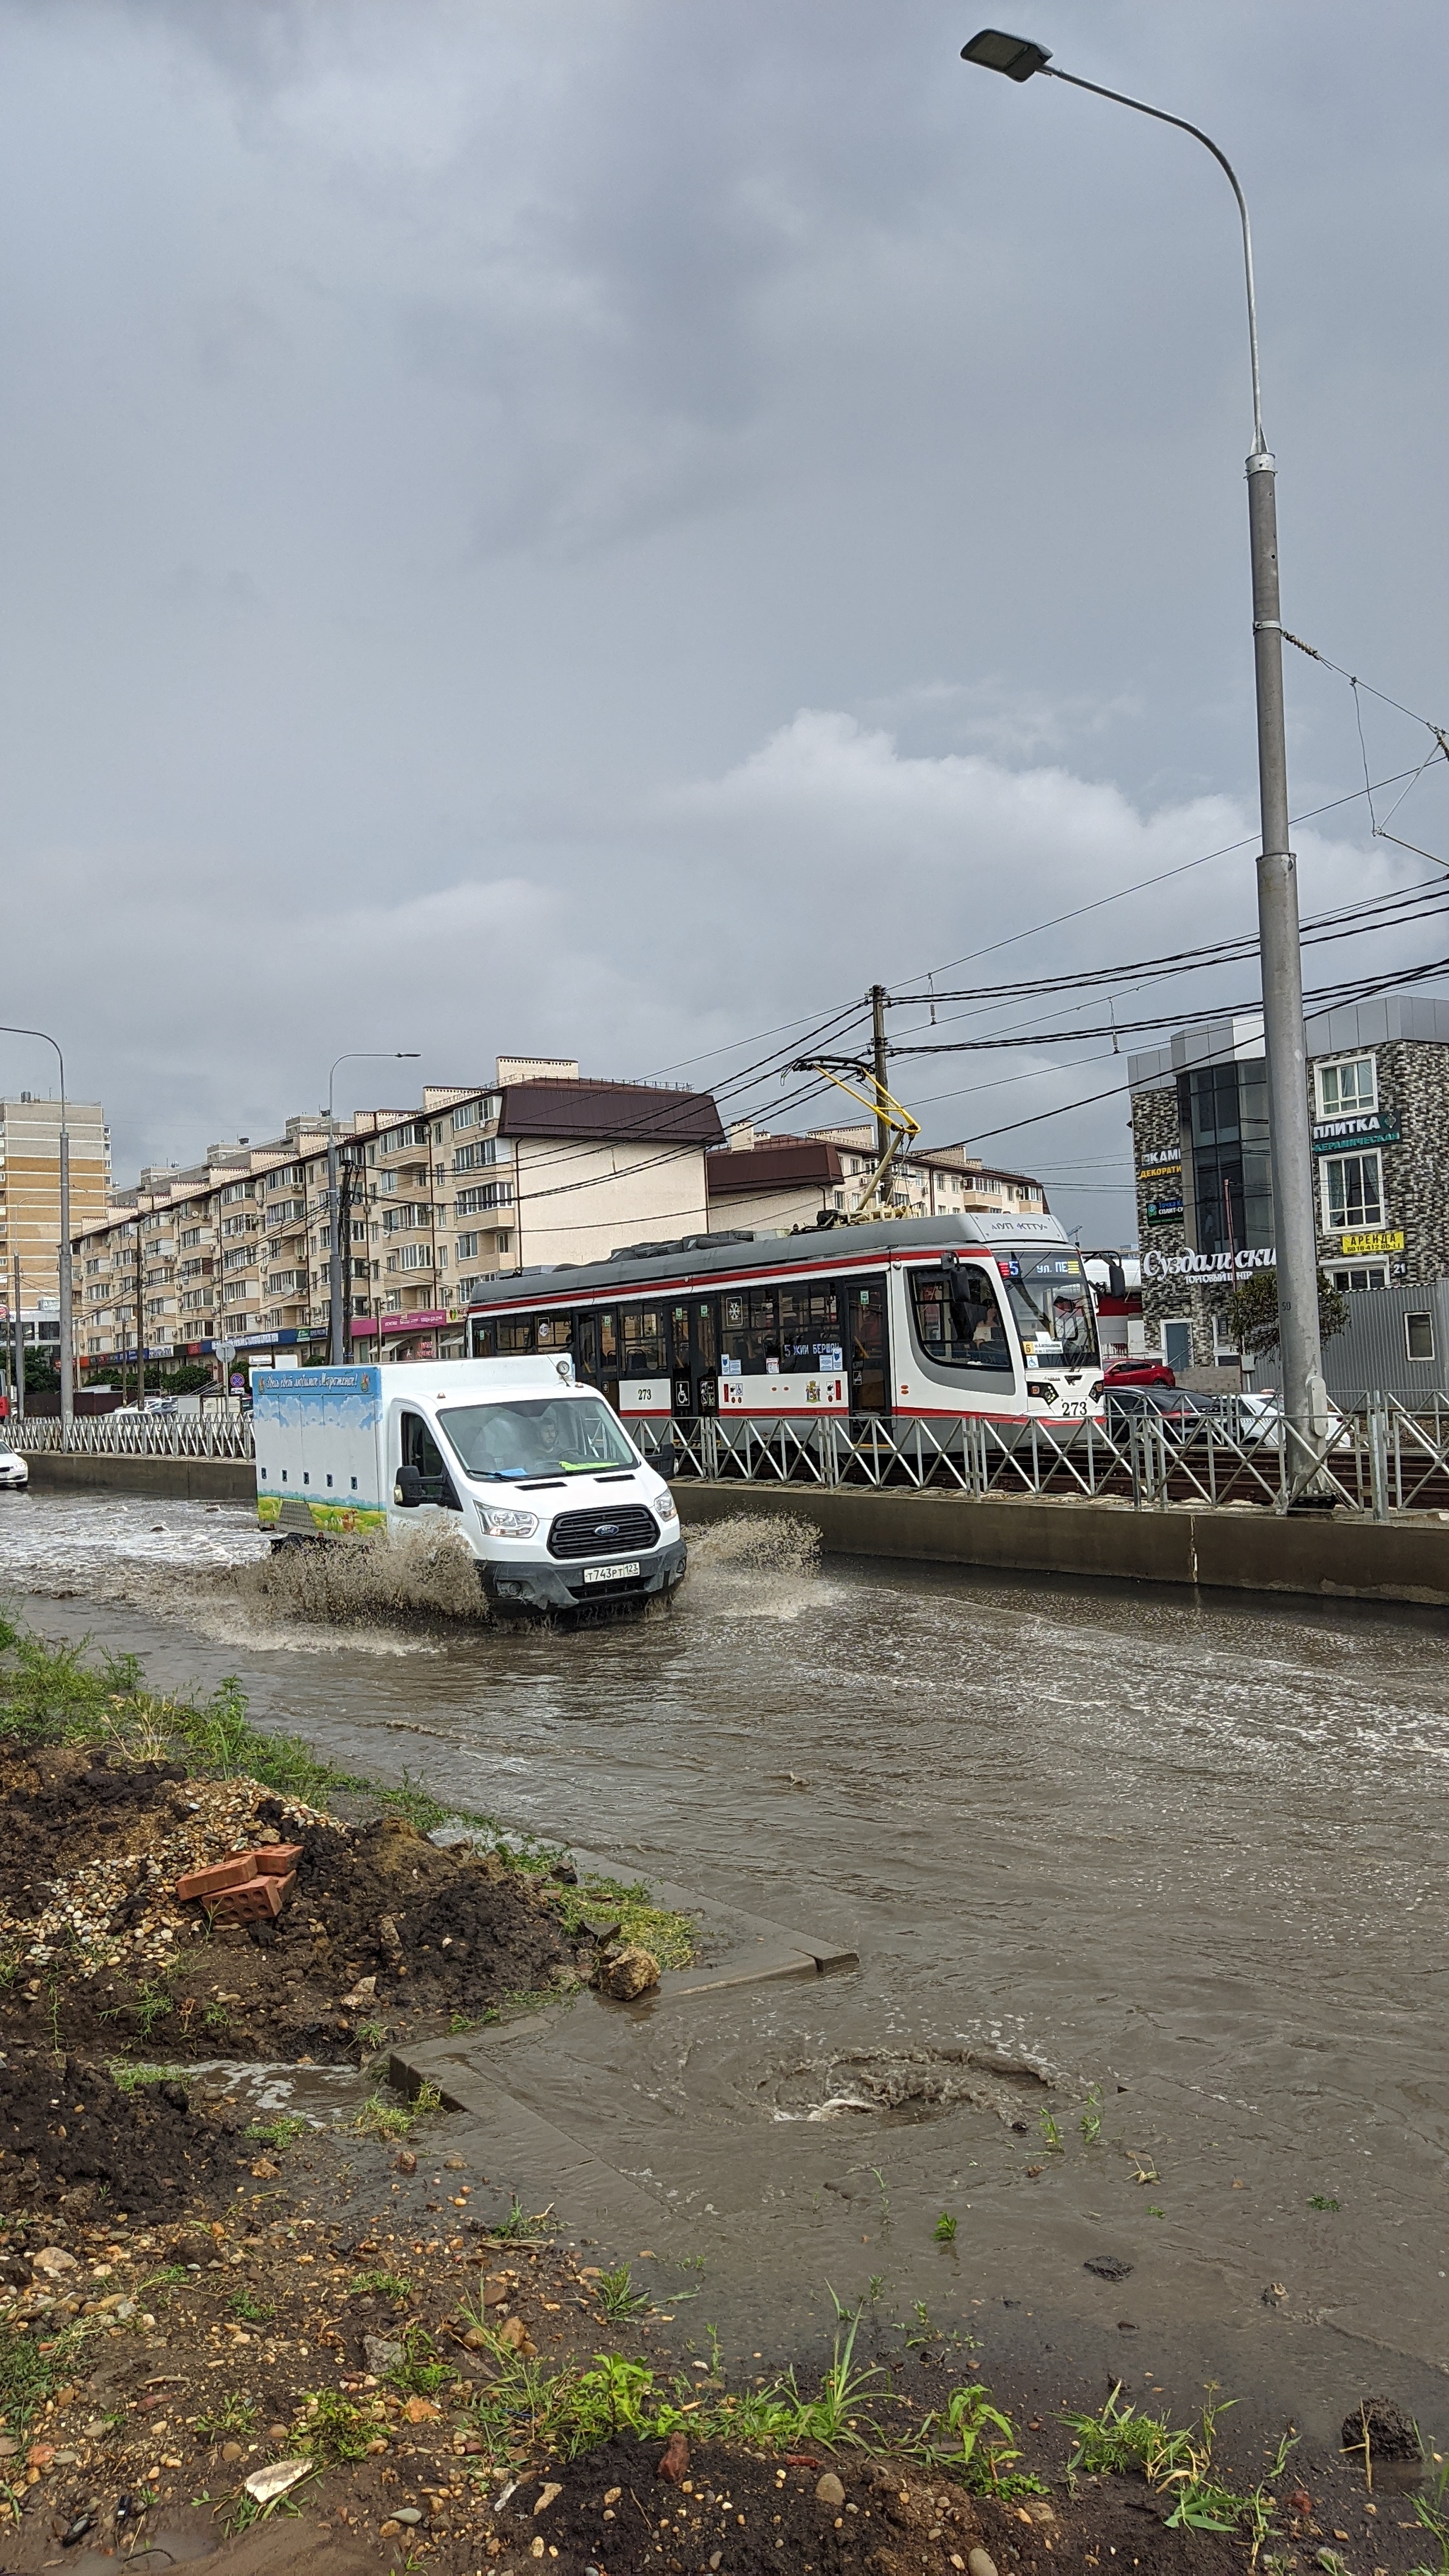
[(537, 1436)]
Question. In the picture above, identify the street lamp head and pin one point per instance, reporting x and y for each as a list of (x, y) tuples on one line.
[(1017, 56)]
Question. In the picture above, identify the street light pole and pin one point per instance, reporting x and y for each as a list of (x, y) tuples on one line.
[(336, 1274), (1304, 1396), (67, 1334)]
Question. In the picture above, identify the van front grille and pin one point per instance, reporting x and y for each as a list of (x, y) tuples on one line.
[(625, 1531)]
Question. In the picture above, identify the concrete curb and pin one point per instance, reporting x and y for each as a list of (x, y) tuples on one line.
[(513, 2140)]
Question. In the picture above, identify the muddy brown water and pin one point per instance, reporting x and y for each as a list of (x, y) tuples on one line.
[(1159, 1878)]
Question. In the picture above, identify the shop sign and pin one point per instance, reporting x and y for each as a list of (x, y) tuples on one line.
[(362, 1326), (1369, 1127), (1164, 1211), (1360, 1244), (1208, 1265), (425, 1321)]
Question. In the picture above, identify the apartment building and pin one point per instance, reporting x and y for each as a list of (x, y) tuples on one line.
[(774, 1182), (230, 1257), (30, 1191)]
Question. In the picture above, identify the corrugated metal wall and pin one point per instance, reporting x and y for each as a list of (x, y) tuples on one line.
[(1373, 1351)]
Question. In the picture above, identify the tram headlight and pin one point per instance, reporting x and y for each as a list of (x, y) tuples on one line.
[(1042, 1389)]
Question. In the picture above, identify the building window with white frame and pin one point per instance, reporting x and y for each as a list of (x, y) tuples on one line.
[(1349, 1088), (1353, 1192)]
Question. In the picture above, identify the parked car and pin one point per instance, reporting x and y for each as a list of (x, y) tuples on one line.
[(1143, 1372), (13, 1469)]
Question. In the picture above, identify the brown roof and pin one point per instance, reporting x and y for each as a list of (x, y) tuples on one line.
[(783, 1163), (616, 1113)]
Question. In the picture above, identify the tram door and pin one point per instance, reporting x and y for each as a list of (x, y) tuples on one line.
[(596, 1352), (865, 1320), (694, 1377)]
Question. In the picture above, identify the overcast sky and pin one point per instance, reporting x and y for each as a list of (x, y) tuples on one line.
[(604, 529)]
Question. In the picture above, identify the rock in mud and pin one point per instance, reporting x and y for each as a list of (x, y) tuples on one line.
[(981, 2563), (1390, 2433), (382, 2355), (829, 2491), (1108, 2267), (628, 1973), (674, 2461)]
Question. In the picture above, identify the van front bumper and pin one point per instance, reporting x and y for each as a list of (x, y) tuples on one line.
[(562, 1587)]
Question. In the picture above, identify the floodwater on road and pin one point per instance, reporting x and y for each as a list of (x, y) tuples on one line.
[(1148, 1891)]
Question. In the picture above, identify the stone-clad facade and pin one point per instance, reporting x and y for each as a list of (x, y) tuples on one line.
[(1379, 1107)]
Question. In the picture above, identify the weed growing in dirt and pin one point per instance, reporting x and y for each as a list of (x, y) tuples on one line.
[(251, 2311), (1091, 2120), (236, 2414), (976, 2442), (1319, 2201), (1051, 2134), (618, 2297), (283, 2131), (126, 2078), (671, 1937), (1435, 2520), (386, 2285), (338, 2429), (1178, 2462), (420, 2373), (379, 2118), (29, 2375), (944, 2230), (1287, 2442), (372, 2035), (518, 2227)]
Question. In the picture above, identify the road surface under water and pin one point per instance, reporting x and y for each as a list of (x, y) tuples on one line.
[(1158, 1878)]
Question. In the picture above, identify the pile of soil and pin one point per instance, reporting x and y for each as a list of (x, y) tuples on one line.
[(384, 1936), (70, 2137)]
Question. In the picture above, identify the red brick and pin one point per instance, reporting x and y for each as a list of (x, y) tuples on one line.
[(277, 1860), (260, 1898), (222, 1873)]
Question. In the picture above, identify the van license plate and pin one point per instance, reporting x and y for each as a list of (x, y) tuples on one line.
[(609, 1573)]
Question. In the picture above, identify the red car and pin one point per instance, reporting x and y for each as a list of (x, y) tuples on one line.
[(1145, 1372)]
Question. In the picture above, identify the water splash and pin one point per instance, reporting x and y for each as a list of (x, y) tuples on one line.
[(755, 1566), (415, 1580)]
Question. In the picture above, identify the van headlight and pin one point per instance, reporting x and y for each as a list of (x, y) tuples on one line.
[(666, 1508), (498, 1523)]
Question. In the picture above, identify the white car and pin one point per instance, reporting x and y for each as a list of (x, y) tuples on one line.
[(13, 1469)]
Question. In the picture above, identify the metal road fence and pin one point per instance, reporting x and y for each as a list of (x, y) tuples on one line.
[(1382, 1458), (135, 1435), (1379, 1457)]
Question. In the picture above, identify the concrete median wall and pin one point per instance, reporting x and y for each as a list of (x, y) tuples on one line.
[(189, 1480), (1239, 1551)]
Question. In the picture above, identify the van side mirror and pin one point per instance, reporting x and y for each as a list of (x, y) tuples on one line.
[(407, 1490)]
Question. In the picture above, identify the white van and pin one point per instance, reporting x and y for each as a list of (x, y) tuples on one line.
[(536, 1473)]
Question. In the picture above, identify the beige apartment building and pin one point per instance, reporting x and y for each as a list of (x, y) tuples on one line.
[(30, 1192), (539, 1166)]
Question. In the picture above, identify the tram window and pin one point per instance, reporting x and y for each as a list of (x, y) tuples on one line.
[(483, 1343), (555, 1332), (642, 1342), (514, 1333), (608, 1343), (704, 1332), (751, 1329), (964, 1330), (1052, 1304), (810, 1336)]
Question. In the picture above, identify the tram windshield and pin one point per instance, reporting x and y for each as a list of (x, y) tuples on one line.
[(545, 1436), (1052, 1302)]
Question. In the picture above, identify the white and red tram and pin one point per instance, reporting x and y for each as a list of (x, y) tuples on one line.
[(930, 1319)]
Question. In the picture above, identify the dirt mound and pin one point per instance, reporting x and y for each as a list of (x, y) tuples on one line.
[(69, 2133), (385, 1937)]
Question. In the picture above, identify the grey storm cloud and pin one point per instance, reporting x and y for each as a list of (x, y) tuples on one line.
[(608, 529)]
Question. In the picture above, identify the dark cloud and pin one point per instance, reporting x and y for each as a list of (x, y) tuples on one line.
[(448, 449)]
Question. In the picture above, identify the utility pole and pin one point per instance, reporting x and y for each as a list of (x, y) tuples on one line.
[(19, 1345), (140, 1316), (339, 1259), (878, 1037)]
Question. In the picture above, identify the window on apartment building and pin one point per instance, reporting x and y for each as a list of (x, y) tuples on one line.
[(492, 1194), (91, 1268), (190, 1236), (1347, 1089), (416, 1256), (467, 1247), (397, 1140), (1419, 1336), (1353, 1192), (235, 1190), (1372, 1274), (465, 1115)]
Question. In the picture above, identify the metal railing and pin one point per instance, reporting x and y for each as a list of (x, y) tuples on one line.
[(1382, 1458), (143, 1435)]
